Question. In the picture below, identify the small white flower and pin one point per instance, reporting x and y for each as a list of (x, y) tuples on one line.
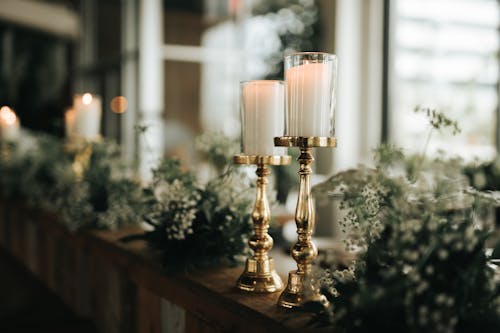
[(422, 287), (440, 299), (442, 254)]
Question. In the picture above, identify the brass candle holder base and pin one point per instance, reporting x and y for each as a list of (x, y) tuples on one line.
[(259, 275), (301, 287)]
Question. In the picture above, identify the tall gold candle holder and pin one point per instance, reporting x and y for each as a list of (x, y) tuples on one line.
[(301, 287), (259, 275)]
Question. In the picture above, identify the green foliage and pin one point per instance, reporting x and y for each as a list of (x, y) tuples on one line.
[(194, 225), (141, 129), (114, 194), (172, 201), (438, 120), (217, 149), (191, 224), (40, 170), (484, 176), (421, 263), (225, 217)]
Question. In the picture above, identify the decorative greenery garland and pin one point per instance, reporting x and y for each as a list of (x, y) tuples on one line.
[(421, 263), (38, 169), (191, 223)]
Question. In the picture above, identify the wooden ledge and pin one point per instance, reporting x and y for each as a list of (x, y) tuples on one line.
[(89, 268)]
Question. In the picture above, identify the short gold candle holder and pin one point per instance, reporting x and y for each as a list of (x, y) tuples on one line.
[(259, 275), (300, 287), (82, 150)]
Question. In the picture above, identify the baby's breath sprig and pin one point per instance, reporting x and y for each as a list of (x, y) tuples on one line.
[(438, 120), (171, 200)]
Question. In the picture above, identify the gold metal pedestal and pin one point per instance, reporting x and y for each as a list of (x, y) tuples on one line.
[(259, 275), (301, 287)]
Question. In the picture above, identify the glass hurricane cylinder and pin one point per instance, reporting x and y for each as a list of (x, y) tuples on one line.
[(262, 116), (310, 80)]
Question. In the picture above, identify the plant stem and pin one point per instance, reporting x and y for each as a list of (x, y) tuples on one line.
[(420, 161), (424, 151)]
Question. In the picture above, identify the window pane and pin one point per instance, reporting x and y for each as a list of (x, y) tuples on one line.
[(445, 55)]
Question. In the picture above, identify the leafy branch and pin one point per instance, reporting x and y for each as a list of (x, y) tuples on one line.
[(437, 122)]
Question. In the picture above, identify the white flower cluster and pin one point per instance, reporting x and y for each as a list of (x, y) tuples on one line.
[(419, 241), (123, 204), (232, 194), (175, 208), (361, 223)]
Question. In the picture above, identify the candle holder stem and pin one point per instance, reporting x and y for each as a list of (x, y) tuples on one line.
[(301, 287), (259, 275), (4, 150), (82, 152)]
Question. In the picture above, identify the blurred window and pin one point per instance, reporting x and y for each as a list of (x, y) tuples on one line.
[(444, 54), (212, 45)]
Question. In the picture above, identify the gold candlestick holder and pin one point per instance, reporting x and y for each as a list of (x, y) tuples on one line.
[(259, 275), (301, 287), (81, 148)]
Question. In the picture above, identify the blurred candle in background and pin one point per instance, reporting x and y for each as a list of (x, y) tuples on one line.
[(263, 116), (310, 79), (69, 122), (10, 128), (88, 111)]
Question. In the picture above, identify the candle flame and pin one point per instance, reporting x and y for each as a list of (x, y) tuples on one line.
[(87, 99), (7, 115)]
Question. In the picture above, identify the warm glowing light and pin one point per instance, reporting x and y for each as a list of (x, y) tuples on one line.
[(119, 104), (87, 99), (7, 115)]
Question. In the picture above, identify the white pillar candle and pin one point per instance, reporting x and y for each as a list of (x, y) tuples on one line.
[(262, 111), (88, 113), (69, 122), (310, 80), (10, 128)]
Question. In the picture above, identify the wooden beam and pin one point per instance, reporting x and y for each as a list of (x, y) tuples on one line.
[(46, 17)]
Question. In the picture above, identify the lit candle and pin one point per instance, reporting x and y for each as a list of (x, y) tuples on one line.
[(262, 107), (310, 79), (69, 122), (9, 125), (87, 116)]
